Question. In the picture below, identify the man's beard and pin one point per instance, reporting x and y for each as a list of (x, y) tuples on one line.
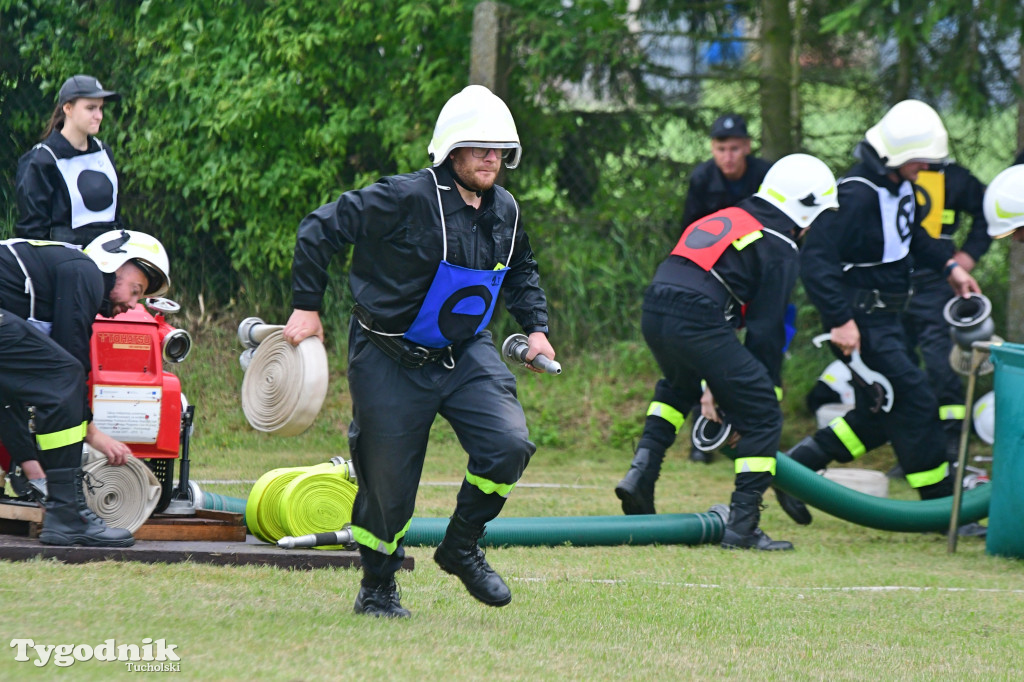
[(467, 179)]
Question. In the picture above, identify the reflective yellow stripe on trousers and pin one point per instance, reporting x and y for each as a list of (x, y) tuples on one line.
[(58, 439), (668, 413), (489, 486), (368, 539), (930, 477), (847, 437), (755, 465)]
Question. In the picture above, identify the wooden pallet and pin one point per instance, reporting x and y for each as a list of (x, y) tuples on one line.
[(20, 518), (25, 519)]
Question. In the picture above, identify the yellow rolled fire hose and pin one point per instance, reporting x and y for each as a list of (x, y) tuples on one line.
[(284, 385), (318, 501), (123, 496), (301, 501), (262, 509)]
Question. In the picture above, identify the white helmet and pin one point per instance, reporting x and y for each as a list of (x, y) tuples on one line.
[(984, 415), (801, 186), (113, 249), (475, 117), (1004, 202), (910, 131)]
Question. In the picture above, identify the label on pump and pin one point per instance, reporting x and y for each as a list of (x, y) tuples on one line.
[(128, 413)]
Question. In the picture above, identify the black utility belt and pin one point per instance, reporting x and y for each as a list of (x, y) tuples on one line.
[(404, 353), (870, 301)]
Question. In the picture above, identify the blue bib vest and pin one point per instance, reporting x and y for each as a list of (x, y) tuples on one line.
[(460, 300)]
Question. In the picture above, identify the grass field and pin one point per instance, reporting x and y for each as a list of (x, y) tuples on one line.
[(849, 604)]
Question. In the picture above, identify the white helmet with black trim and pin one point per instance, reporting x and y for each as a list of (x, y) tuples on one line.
[(1004, 202), (113, 249), (801, 186), (910, 131), (474, 117)]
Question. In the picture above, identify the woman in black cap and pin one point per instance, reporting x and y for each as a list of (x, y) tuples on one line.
[(67, 191), (67, 184)]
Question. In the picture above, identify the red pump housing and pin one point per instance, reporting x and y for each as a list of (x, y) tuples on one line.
[(133, 399)]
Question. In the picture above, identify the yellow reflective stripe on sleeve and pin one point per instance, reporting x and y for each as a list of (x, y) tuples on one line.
[(952, 412), (923, 478), (58, 439), (755, 465), (742, 242), (489, 486), (847, 437), (778, 393), (668, 413), (368, 539)]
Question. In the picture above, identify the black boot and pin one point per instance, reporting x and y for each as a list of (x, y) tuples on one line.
[(459, 554), (699, 456), (742, 531), (636, 489), (380, 598), (69, 521), (810, 454)]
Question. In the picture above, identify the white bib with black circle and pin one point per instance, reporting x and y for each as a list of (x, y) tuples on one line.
[(897, 213), (92, 186)]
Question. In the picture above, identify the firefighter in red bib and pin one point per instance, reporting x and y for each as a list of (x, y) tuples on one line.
[(743, 257)]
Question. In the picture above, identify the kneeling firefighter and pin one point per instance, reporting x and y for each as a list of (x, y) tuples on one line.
[(740, 257), (857, 270), (50, 294)]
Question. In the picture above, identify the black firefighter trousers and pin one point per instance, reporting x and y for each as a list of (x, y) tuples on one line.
[(691, 340), (393, 408), (42, 397)]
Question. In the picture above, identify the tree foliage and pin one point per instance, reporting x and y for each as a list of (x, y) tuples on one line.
[(941, 49), (240, 116)]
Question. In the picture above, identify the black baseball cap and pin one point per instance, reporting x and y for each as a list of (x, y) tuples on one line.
[(729, 125), (84, 86)]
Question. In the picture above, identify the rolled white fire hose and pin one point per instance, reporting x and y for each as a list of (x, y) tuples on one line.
[(284, 385), (123, 496)]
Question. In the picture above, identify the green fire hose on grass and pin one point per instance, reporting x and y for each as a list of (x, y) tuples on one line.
[(586, 531), (907, 516), (694, 529)]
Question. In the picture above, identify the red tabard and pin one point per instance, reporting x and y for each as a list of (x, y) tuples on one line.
[(705, 240)]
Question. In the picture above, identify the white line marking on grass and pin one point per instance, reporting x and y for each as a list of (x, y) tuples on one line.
[(855, 588)]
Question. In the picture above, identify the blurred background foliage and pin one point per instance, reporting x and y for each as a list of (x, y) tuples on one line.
[(239, 117)]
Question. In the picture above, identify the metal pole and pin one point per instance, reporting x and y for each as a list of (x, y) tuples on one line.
[(978, 351)]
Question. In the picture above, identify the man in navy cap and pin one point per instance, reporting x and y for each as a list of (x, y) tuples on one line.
[(730, 175)]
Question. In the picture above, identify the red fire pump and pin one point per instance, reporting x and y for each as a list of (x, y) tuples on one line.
[(134, 399)]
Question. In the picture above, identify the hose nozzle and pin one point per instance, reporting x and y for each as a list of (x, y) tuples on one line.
[(517, 346), (341, 537)]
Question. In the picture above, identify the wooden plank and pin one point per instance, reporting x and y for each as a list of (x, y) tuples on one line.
[(209, 526), (227, 516), (251, 552), (213, 532), (21, 512)]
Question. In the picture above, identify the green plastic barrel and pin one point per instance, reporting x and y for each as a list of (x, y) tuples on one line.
[(1006, 509)]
